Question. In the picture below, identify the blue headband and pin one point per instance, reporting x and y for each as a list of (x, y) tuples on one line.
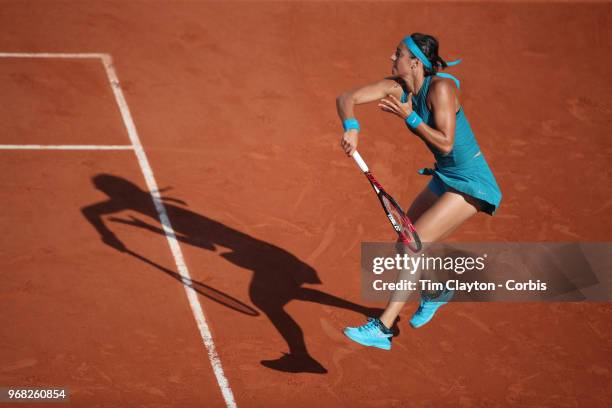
[(416, 51)]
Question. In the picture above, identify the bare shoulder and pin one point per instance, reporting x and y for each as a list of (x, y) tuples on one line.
[(442, 90), (442, 85)]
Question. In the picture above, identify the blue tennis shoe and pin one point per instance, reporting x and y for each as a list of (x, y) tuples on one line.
[(373, 334), (428, 307)]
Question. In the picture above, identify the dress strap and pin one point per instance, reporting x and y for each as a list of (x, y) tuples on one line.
[(449, 76), (404, 98)]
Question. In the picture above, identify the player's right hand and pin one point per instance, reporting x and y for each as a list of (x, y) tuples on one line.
[(349, 141)]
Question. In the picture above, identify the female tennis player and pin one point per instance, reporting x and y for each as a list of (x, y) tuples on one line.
[(462, 183)]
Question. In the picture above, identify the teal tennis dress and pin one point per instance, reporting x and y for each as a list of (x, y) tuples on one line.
[(464, 169)]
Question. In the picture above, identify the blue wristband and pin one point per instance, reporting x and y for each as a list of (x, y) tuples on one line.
[(349, 124), (413, 120)]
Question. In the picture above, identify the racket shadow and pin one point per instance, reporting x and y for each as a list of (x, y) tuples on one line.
[(201, 288), (277, 275)]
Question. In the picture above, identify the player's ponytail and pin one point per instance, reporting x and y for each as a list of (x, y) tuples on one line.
[(439, 62)]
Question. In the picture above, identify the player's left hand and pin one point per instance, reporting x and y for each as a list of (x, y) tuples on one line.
[(393, 105)]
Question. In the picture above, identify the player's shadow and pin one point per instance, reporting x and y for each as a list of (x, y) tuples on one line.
[(277, 276)]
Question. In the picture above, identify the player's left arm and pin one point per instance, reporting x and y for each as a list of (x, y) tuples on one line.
[(443, 105)]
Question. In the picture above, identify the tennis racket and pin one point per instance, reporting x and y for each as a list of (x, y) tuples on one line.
[(401, 223)]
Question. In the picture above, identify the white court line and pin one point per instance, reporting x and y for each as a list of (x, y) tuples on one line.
[(50, 55), (196, 307), (65, 147), (194, 302)]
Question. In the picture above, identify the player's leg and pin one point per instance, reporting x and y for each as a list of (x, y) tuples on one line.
[(423, 201), (443, 217), (372, 334)]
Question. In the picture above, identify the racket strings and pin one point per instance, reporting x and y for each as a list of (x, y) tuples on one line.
[(401, 220)]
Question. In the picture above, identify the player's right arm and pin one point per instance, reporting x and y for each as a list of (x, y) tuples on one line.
[(346, 102)]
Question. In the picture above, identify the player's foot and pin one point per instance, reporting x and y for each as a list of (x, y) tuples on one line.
[(428, 307), (373, 334), (295, 363)]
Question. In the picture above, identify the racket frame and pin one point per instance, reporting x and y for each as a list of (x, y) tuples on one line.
[(380, 192)]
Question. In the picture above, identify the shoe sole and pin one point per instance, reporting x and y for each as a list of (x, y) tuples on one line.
[(368, 345), (416, 326)]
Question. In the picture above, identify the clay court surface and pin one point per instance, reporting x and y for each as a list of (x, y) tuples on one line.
[(234, 104)]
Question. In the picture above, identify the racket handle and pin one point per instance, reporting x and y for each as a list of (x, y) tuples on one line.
[(360, 162)]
